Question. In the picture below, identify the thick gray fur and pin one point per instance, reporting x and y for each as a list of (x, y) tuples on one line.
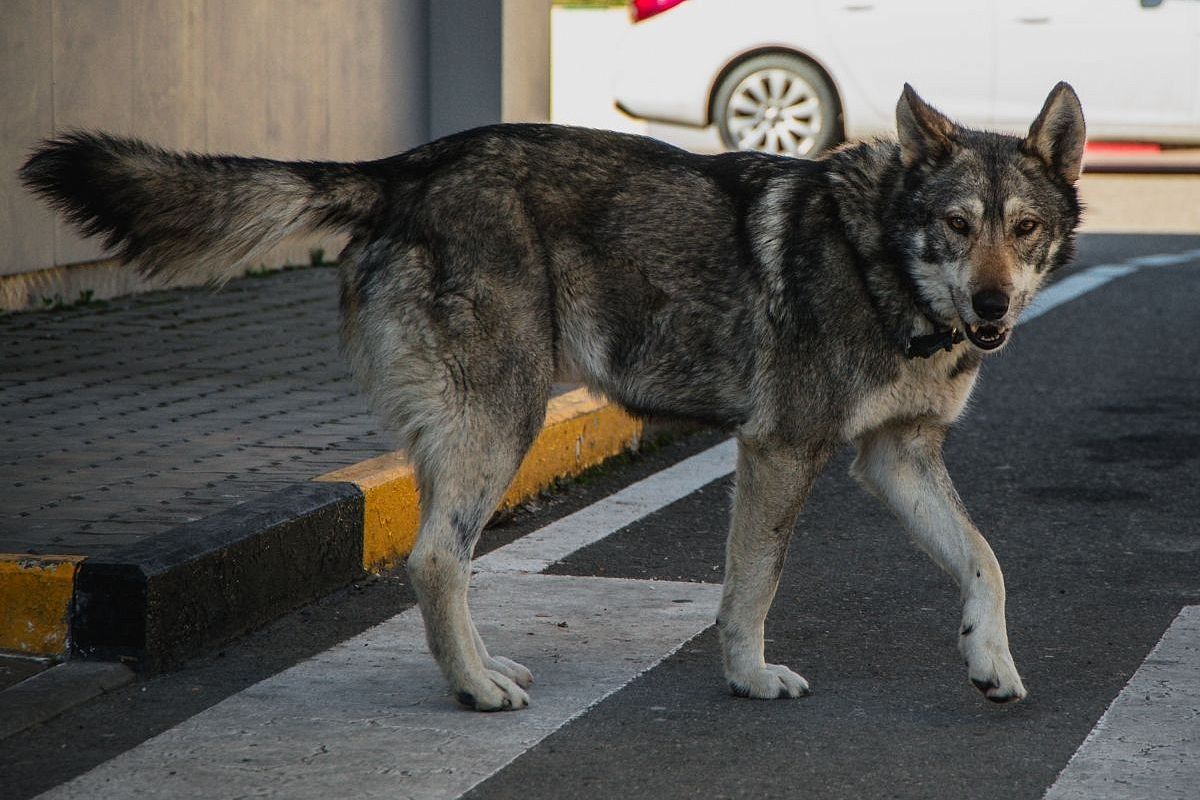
[(774, 297)]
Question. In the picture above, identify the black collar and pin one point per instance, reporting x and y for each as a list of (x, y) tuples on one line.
[(930, 343)]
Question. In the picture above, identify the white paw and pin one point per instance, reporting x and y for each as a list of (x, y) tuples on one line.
[(767, 682), (991, 669), (492, 691), (514, 671)]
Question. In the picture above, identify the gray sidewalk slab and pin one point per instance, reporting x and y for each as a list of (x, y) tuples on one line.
[(121, 421)]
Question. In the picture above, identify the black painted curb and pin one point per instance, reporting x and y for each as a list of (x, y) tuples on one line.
[(169, 597), (175, 595)]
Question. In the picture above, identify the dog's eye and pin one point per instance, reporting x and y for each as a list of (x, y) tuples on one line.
[(957, 223), (1026, 227)]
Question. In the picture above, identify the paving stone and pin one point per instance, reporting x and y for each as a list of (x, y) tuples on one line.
[(121, 422)]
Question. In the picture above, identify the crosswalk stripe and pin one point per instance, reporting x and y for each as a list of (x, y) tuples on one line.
[(1147, 744), (538, 550), (371, 717), (1094, 277), (1073, 286)]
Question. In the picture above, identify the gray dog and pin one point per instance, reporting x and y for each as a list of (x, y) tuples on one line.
[(802, 304)]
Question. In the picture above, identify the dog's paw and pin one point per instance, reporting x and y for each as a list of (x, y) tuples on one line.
[(493, 691), (768, 682), (992, 671), (507, 667)]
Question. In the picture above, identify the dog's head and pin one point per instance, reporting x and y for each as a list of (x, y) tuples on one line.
[(985, 217)]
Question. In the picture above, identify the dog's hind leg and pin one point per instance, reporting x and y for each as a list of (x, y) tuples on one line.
[(771, 487), (466, 393), (903, 466), (462, 474)]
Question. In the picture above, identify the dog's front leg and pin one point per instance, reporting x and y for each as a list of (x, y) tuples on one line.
[(771, 487), (903, 466)]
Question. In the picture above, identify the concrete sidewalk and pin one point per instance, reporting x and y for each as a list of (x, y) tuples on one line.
[(158, 464)]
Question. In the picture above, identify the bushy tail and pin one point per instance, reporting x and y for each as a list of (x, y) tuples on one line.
[(181, 215)]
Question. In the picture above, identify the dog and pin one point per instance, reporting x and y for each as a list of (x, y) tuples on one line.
[(801, 304)]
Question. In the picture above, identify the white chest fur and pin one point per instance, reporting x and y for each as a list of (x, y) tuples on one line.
[(925, 389)]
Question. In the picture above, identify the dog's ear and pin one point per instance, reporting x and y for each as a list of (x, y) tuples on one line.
[(925, 133), (1058, 134)]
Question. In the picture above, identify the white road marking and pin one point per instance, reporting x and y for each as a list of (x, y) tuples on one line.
[(538, 550), (1074, 286), (1094, 277), (371, 717), (1147, 744), (1165, 259)]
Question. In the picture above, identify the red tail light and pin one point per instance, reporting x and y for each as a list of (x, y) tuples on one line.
[(645, 9)]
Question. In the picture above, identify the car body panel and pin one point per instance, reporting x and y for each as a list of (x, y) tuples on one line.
[(988, 61), (1134, 67), (878, 62)]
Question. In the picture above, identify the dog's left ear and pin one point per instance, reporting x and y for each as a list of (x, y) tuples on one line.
[(1058, 134), (926, 134)]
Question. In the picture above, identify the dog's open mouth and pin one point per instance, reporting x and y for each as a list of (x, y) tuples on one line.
[(986, 337)]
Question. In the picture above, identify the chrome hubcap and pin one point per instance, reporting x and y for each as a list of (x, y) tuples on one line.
[(774, 111)]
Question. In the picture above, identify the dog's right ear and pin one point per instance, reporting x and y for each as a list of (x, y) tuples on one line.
[(1058, 135), (925, 133)]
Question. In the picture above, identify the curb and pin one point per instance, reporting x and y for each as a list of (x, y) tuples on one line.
[(171, 596), (580, 431), (35, 593)]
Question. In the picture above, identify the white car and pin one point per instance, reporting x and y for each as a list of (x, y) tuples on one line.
[(797, 76)]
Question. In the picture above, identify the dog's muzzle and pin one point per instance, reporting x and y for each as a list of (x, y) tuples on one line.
[(986, 336), (991, 306)]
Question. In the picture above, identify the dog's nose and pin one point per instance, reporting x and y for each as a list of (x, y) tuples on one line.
[(990, 304)]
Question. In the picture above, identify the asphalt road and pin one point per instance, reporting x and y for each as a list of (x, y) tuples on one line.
[(1078, 459)]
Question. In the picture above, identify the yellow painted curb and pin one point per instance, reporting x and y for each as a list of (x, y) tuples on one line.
[(580, 431), (390, 514), (35, 602)]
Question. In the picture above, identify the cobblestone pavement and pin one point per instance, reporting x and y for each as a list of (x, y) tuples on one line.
[(124, 420)]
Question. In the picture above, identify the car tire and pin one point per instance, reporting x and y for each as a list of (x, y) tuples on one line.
[(777, 103)]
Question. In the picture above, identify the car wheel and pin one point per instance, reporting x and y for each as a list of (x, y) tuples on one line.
[(777, 103)]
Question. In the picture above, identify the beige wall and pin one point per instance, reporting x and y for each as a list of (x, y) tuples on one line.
[(525, 80), (339, 79), (26, 230)]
